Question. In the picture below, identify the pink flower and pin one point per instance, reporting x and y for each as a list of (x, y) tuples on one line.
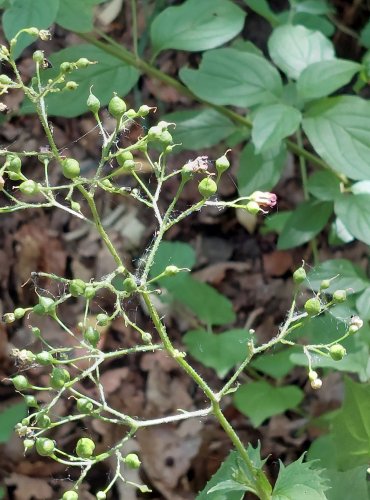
[(264, 199)]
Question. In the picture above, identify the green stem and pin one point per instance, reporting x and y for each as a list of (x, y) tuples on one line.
[(111, 47), (134, 28)]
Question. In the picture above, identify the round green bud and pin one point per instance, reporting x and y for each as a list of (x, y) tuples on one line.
[(129, 285), (84, 406), (31, 401), (77, 287), (339, 296), (337, 352), (143, 110), (19, 313), (45, 447), (106, 183), (66, 67), (32, 31), (89, 292), (28, 444), (102, 319), (165, 138), (312, 306), (70, 495), (128, 166), (75, 206), (123, 156), (252, 207), (59, 377), (71, 85), (71, 168), (14, 164), (43, 421), (312, 375), (47, 304), (207, 187), (131, 113), (92, 336), (325, 284), (85, 447), (20, 382), (299, 275), (154, 133), (101, 495), (146, 338), (13, 176), (44, 358), (83, 63), (353, 329), (117, 107), (132, 461), (5, 80), (36, 331), (29, 187), (171, 270), (93, 103), (222, 164), (38, 56)]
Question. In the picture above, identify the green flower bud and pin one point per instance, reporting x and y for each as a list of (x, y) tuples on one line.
[(144, 110), (171, 270), (117, 107), (207, 187), (28, 444), (75, 206), (85, 447), (71, 168), (132, 461), (44, 358), (84, 406), (93, 103), (131, 113), (59, 378), (14, 164), (123, 156), (101, 495), (146, 337), (32, 31), (43, 421), (70, 495), (165, 138), (38, 56), (5, 80), (20, 382), (252, 207), (89, 292), (45, 447), (102, 319), (222, 164), (154, 133), (299, 275), (325, 284), (312, 306), (83, 63), (337, 352), (312, 375), (71, 85), (29, 187), (129, 285), (31, 401), (47, 304), (66, 67), (339, 296), (19, 312), (91, 336), (77, 287)]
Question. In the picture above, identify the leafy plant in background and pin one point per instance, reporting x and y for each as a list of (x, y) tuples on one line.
[(166, 266)]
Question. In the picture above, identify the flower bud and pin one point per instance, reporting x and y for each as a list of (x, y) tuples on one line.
[(45, 447), (144, 110), (117, 107), (32, 31), (171, 270), (102, 319), (93, 103), (71, 85), (339, 296), (312, 375), (5, 80), (38, 56), (337, 352), (312, 306), (83, 63), (20, 382), (132, 461), (71, 168), (325, 284), (222, 164), (70, 495), (85, 447), (252, 207), (29, 187), (316, 384), (299, 276), (207, 187), (19, 312)]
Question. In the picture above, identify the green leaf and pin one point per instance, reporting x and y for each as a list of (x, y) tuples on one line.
[(107, 76), (275, 223), (322, 450), (224, 473), (294, 48), (26, 14), (325, 77), (324, 185), (222, 351), (314, 23), (365, 35), (272, 123), (204, 301), (199, 128), (9, 418), (230, 76), (339, 130), (299, 480), (260, 400), (263, 9), (259, 172), (2, 492), (363, 304), (349, 276), (305, 223), (338, 233), (276, 365), (352, 480), (196, 26), (353, 210), (351, 426), (174, 253), (317, 7), (77, 15)]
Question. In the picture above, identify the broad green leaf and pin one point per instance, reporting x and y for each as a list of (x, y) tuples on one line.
[(259, 172), (199, 128), (351, 426), (294, 48), (338, 233), (363, 304), (314, 23), (324, 185), (272, 123), (77, 15), (174, 253), (204, 301), (365, 35), (263, 9), (305, 223), (322, 450), (9, 418), (276, 365), (260, 400), (353, 362), (246, 46), (351, 480), (300, 480), (220, 351), (107, 76), (275, 222), (230, 76), (353, 211), (325, 77), (361, 187), (339, 130), (26, 14), (349, 276), (317, 7), (196, 26)]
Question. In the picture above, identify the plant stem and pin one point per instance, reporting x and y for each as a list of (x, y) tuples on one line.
[(134, 28)]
